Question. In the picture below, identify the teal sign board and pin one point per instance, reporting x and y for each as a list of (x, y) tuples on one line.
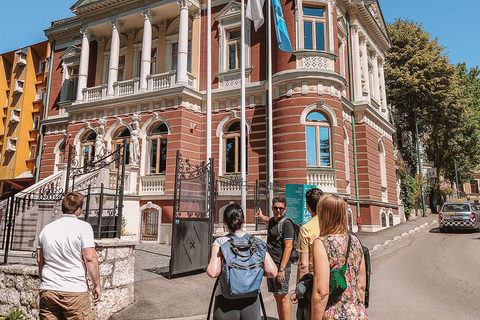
[(296, 206)]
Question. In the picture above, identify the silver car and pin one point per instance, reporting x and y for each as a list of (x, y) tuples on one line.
[(459, 215)]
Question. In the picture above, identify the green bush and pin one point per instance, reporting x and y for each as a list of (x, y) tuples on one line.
[(15, 314), (409, 191)]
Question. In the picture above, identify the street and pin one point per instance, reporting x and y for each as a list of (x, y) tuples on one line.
[(431, 275)]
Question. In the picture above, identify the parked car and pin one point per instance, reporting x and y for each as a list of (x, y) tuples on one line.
[(459, 215)]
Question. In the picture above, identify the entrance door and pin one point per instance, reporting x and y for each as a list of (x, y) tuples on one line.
[(149, 224)]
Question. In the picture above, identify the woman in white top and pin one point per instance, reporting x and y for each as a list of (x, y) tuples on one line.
[(239, 308)]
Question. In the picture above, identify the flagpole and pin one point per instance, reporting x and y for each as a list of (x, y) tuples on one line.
[(269, 110), (209, 81), (243, 137)]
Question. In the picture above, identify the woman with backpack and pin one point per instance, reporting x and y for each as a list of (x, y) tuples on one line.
[(334, 249), (237, 293)]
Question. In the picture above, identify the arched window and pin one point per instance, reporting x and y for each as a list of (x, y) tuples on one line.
[(232, 150), (62, 152), (122, 133), (383, 171), (318, 140), (87, 145), (157, 149)]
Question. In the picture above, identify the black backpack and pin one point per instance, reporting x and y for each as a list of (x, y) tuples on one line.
[(368, 269), (294, 256)]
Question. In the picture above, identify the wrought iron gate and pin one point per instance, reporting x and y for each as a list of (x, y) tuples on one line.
[(103, 202), (192, 216), (102, 181)]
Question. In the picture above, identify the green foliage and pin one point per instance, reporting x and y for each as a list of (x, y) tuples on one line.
[(15, 314), (419, 82), (409, 191)]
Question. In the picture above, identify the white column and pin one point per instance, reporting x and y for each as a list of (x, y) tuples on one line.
[(365, 73), (357, 71), (383, 101), (182, 56), (83, 68), (376, 85), (114, 55), (146, 49), (243, 136)]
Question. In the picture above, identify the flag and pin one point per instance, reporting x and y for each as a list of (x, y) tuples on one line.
[(282, 33), (254, 12)]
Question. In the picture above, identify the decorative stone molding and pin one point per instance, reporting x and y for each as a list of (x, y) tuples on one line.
[(372, 123), (184, 3), (323, 107), (131, 33), (162, 25)]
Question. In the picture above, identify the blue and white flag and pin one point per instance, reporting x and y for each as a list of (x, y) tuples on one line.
[(282, 33), (254, 12)]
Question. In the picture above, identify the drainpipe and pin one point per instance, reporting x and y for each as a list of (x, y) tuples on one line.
[(47, 102), (352, 117)]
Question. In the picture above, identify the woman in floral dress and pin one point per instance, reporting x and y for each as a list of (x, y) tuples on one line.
[(329, 252)]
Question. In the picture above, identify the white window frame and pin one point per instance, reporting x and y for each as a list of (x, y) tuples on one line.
[(155, 137), (328, 124), (328, 23), (229, 18)]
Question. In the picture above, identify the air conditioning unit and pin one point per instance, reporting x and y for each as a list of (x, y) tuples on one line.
[(18, 88), (11, 145), (15, 115), (21, 57)]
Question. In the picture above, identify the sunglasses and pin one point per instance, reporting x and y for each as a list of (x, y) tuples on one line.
[(278, 208)]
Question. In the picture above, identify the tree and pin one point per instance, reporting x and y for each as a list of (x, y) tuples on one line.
[(419, 82)]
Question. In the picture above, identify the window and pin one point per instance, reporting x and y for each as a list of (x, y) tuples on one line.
[(232, 151), (157, 149), (72, 78), (61, 152), (32, 152), (318, 140), (473, 186), (383, 171), (36, 122), (313, 28), (233, 49), (175, 56), (121, 68), (153, 60), (42, 66), (118, 141), (87, 146)]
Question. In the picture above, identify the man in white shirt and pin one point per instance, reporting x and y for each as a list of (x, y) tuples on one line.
[(65, 252)]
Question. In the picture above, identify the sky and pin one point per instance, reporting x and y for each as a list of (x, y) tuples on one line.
[(454, 25)]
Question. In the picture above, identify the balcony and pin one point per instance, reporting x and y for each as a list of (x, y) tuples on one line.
[(311, 59), (161, 81), (126, 87), (152, 185), (324, 179), (155, 82), (94, 94), (229, 185)]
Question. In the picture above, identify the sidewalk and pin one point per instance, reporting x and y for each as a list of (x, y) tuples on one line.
[(187, 297)]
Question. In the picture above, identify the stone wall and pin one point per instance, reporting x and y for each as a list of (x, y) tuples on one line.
[(19, 283)]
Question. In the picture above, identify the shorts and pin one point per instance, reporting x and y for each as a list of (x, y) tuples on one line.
[(236, 309), (65, 305), (277, 287)]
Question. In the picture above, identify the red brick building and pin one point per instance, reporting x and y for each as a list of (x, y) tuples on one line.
[(139, 69)]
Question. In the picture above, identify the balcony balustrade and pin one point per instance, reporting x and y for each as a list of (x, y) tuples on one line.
[(152, 185), (324, 179)]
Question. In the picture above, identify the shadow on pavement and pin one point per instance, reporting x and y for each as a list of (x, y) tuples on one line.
[(453, 231)]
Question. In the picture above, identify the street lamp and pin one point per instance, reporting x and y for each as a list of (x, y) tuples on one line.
[(419, 164), (456, 177)]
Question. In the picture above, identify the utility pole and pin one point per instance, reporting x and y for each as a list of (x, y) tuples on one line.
[(456, 178), (419, 164)]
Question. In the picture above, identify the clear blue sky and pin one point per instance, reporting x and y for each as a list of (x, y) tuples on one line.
[(453, 23)]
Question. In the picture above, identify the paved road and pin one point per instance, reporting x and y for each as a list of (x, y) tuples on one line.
[(430, 275)]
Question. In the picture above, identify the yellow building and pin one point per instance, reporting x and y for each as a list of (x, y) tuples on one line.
[(23, 81)]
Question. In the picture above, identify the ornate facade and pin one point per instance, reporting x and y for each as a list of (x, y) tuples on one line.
[(137, 70)]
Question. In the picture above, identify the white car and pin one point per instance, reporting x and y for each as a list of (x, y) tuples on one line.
[(459, 214)]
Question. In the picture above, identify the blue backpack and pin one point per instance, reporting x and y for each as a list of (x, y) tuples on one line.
[(242, 269)]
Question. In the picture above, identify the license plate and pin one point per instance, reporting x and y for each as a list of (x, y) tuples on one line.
[(449, 213), (458, 218)]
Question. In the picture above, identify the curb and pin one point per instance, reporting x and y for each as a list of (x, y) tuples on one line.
[(405, 235)]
